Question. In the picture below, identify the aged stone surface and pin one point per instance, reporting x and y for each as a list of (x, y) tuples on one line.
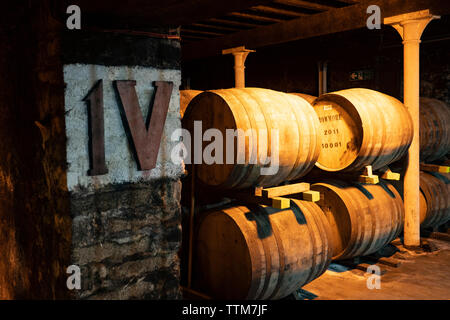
[(126, 224), (120, 161), (112, 49), (126, 238), (34, 202)]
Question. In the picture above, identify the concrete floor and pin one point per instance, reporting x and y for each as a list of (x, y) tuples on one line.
[(420, 275)]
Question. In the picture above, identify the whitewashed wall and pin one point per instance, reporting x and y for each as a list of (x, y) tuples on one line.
[(122, 167)]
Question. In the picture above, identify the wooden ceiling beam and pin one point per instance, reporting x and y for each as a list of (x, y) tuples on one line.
[(239, 24), (255, 17), (267, 9), (305, 5), (213, 26), (209, 33), (152, 12), (328, 22)]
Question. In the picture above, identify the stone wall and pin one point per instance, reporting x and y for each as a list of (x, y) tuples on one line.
[(126, 224), (35, 236), (126, 238), (122, 229)]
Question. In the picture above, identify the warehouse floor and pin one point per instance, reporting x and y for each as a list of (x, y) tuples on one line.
[(419, 275)]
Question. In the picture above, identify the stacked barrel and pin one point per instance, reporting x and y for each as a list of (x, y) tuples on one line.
[(434, 129), (361, 127), (434, 146), (257, 252), (363, 218), (270, 120), (185, 98)]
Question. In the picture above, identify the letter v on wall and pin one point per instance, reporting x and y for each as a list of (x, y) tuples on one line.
[(145, 140)]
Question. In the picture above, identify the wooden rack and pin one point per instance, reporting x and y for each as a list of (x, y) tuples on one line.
[(276, 197), (434, 168)]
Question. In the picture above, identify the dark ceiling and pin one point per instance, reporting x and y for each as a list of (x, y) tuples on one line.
[(256, 16)]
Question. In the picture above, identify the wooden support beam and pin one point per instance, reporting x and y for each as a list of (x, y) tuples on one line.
[(387, 174), (368, 176), (437, 235), (209, 33), (331, 21), (306, 5), (281, 203), (387, 261), (312, 196), (434, 168), (238, 24), (153, 12), (192, 37), (284, 12), (285, 190), (254, 17), (214, 26)]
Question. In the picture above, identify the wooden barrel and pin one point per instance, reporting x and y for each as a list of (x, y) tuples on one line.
[(435, 188), (363, 218), (434, 198), (434, 129), (259, 252), (261, 113), (305, 96), (361, 127), (185, 98)]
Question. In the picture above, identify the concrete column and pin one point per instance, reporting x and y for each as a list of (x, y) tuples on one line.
[(410, 26), (240, 55)]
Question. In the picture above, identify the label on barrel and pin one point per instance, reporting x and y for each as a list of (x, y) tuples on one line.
[(339, 134)]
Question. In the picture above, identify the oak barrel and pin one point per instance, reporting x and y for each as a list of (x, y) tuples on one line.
[(434, 198), (435, 188), (185, 98), (258, 252), (256, 112), (305, 96), (434, 129), (361, 127), (363, 218)]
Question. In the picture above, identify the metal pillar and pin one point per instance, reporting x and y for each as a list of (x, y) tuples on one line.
[(410, 26), (240, 55)]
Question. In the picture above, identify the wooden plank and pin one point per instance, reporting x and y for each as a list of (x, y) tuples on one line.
[(247, 197), (434, 168), (214, 26), (311, 196), (190, 36), (306, 5), (239, 24), (267, 9), (387, 174), (373, 179), (192, 31), (153, 12), (281, 203), (391, 262), (285, 190), (331, 21), (437, 235), (254, 17)]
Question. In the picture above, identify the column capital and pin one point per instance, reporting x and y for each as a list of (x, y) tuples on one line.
[(411, 25), (240, 55)]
